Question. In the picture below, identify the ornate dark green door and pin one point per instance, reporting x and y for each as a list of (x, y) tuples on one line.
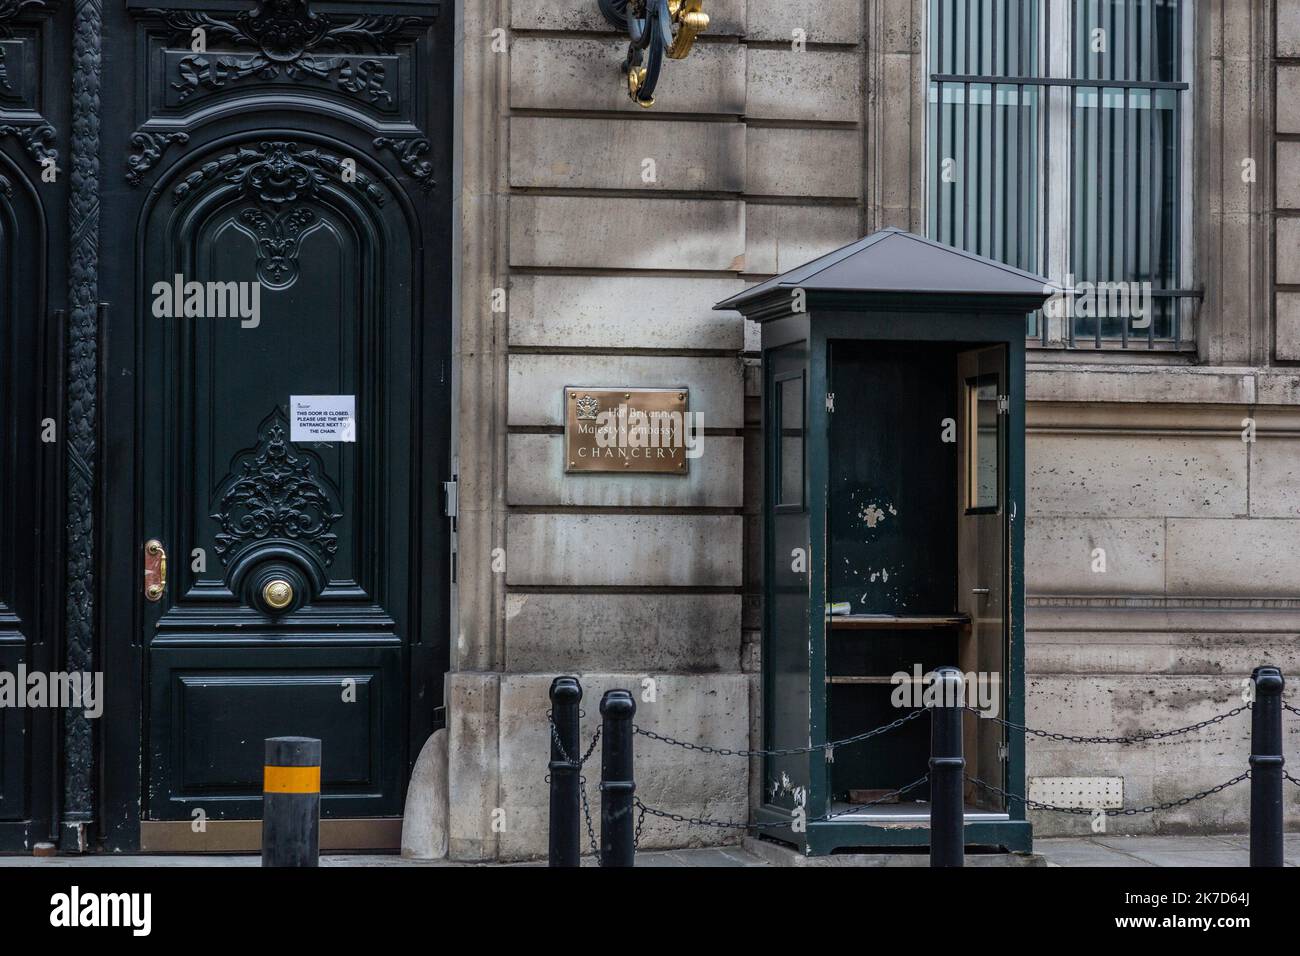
[(278, 398), (33, 198)]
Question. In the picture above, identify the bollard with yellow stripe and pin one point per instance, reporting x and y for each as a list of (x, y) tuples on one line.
[(291, 802)]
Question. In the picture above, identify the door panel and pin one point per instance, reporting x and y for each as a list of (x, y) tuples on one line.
[(307, 577), (19, 466), (242, 505), (33, 207), (786, 779), (982, 552), (219, 703)]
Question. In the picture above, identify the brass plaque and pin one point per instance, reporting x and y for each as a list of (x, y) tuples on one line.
[(628, 430)]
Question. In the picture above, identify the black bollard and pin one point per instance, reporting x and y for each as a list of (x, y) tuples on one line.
[(617, 786), (947, 772), (291, 802), (566, 822), (1266, 763)]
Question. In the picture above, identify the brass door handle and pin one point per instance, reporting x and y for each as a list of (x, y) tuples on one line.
[(278, 594), (155, 570)]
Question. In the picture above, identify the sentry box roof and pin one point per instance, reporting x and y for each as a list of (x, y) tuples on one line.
[(898, 269)]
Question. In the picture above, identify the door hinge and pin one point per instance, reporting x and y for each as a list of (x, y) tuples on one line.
[(1002, 752), (1004, 404), (830, 401), (449, 503)]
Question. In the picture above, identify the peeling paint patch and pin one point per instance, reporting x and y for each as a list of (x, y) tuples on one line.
[(784, 786)]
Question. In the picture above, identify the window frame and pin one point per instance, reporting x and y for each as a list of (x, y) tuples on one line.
[(975, 444), (1054, 48), (780, 505)]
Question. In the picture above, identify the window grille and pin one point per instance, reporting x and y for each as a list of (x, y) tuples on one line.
[(1058, 144)]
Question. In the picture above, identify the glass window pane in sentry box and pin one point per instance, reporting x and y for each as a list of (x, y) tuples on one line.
[(982, 443), (790, 398)]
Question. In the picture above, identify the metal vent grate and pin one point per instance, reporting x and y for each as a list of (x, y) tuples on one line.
[(1085, 793)]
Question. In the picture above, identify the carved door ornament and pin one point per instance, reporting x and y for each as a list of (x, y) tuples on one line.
[(9, 9), (285, 39), (276, 491), (288, 38), (37, 137), (281, 179)]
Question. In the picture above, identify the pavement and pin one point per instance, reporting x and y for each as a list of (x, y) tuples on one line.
[(1221, 850), (1096, 851)]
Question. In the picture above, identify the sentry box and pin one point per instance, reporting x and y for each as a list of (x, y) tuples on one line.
[(894, 449)]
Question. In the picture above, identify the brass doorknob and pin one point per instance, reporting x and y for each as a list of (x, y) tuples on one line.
[(278, 594)]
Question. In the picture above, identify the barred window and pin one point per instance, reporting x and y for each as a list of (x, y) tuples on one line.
[(1059, 143)]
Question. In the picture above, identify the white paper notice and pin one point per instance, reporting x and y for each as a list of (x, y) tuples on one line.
[(323, 418)]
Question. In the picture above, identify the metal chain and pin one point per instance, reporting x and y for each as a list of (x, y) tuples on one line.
[(595, 739), (559, 744), (1136, 738), (1286, 706), (789, 752), (729, 825), (640, 822), (894, 725), (555, 736), (830, 746), (1125, 812), (586, 813), (1291, 778)]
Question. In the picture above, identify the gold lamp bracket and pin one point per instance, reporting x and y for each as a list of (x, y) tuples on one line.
[(690, 21), (656, 29)]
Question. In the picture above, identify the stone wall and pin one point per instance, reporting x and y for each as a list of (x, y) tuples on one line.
[(613, 231), (1149, 461), (764, 156), (1202, 567)]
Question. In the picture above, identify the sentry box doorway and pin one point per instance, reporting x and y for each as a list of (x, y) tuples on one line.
[(894, 439)]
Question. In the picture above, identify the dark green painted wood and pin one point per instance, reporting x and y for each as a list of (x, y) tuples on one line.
[(215, 439), (843, 345), (25, 466), (890, 550), (1015, 836), (785, 676), (34, 108), (355, 301)]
